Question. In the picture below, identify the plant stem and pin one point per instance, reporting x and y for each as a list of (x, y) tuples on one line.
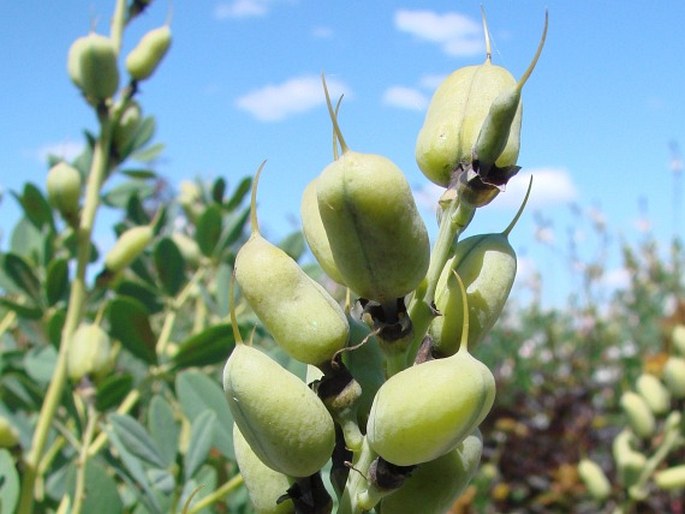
[(80, 488), (215, 496), (356, 480)]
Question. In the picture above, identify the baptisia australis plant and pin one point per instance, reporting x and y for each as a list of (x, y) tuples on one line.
[(394, 397)]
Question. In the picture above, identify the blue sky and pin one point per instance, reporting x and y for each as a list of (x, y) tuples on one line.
[(241, 84)]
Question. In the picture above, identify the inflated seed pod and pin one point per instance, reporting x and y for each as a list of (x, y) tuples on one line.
[(594, 479), (654, 393), (315, 233), (9, 435), (475, 114), (89, 351), (128, 247), (377, 237), (64, 190), (671, 479), (298, 312), (678, 337), (629, 462), (640, 417), (674, 376), (486, 263), (425, 411), (125, 130), (92, 66), (283, 421), (433, 486), (148, 53), (264, 485)]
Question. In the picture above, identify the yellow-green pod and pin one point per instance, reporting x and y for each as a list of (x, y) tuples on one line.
[(283, 421), (654, 393), (640, 417), (674, 376), (629, 462), (89, 351), (425, 411), (315, 233), (128, 247), (64, 190), (671, 479), (9, 435), (678, 337), (92, 66), (148, 53), (123, 133), (264, 485), (592, 475), (298, 312), (475, 107), (434, 486)]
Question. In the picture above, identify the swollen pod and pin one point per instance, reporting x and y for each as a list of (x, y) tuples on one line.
[(425, 411), (64, 190), (128, 247), (92, 66), (487, 266), (264, 485), (148, 53), (377, 237), (433, 486), (283, 421)]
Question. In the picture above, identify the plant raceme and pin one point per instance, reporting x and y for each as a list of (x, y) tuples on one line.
[(394, 397)]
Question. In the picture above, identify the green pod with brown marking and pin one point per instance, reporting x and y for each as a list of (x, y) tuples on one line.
[(315, 233), (284, 422), (264, 485), (434, 486), (298, 312), (92, 66), (474, 115), (449, 398), (143, 60)]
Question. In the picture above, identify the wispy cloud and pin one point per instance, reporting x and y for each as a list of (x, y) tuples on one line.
[(242, 9), (67, 150), (405, 98), (456, 33), (276, 102)]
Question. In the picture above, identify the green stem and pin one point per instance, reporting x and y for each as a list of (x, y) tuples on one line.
[(131, 399), (80, 488), (217, 495), (455, 219), (77, 300), (357, 483)]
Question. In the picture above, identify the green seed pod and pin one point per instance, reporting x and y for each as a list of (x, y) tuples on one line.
[(92, 66), (594, 479), (377, 237), (640, 417), (654, 393), (678, 337), (128, 247), (674, 376), (629, 462), (449, 398), (264, 485), (146, 56), (89, 352), (486, 263), (434, 486), (315, 233), (9, 435), (283, 421), (474, 113), (671, 479), (298, 312), (123, 133), (64, 190)]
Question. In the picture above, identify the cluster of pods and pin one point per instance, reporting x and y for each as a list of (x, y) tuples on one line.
[(393, 397)]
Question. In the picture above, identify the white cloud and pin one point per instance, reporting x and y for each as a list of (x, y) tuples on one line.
[(322, 32), (67, 150), (275, 102), (551, 186), (405, 98), (455, 33), (241, 9)]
